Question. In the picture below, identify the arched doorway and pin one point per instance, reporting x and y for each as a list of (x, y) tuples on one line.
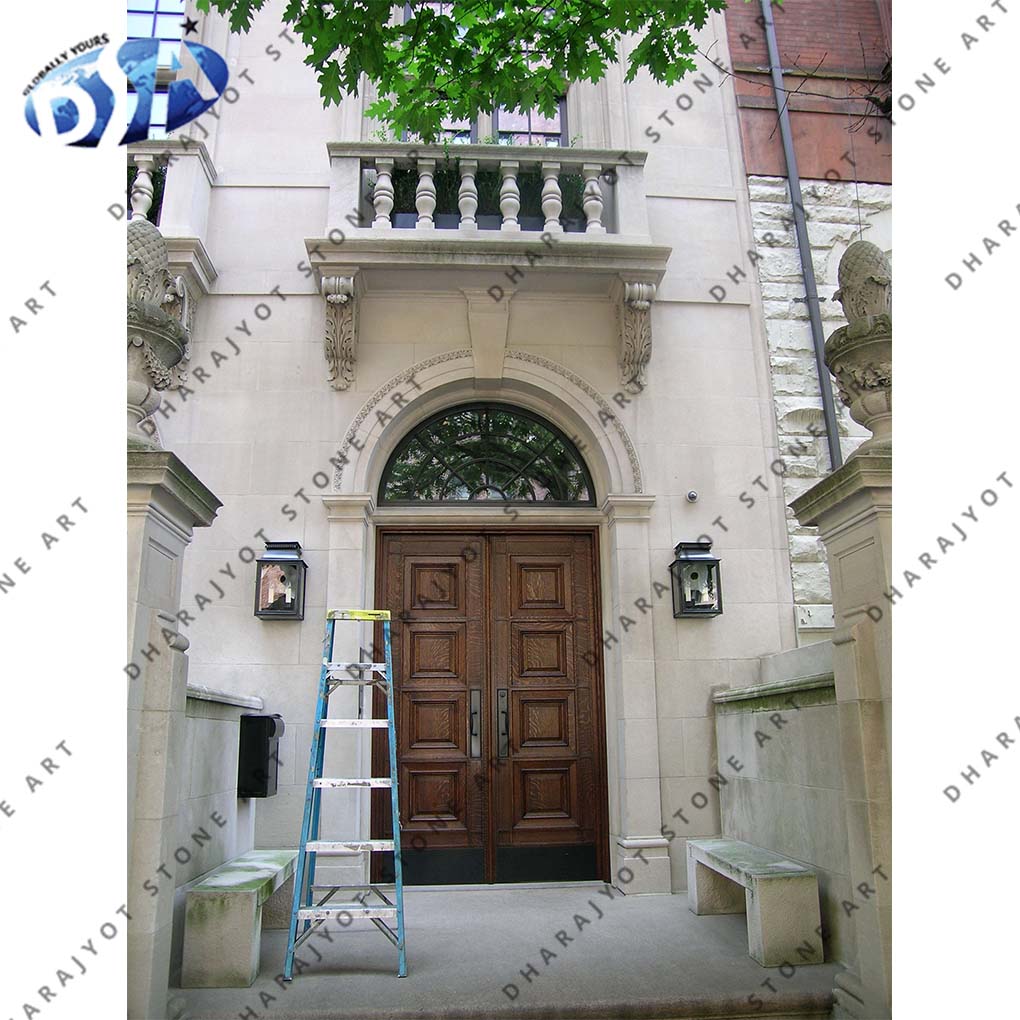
[(501, 715)]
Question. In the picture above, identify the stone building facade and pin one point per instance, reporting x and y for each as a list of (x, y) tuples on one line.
[(332, 326)]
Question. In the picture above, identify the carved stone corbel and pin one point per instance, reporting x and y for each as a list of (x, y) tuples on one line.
[(635, 334), (341, 336)]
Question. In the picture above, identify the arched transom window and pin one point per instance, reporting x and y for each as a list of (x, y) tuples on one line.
[(486, 452)]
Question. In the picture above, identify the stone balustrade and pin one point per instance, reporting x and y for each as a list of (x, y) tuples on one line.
[(606, 188)]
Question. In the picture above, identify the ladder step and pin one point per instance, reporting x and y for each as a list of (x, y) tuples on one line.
[(361, 724), (328, 846), (378, 667), (358, 614), (381, 784), (339, 909)]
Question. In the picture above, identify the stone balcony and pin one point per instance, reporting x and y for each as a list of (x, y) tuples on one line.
[(484, 223), (409, 206)]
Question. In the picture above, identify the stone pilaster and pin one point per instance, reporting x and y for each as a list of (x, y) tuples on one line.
[(640, 852), (165, 503)]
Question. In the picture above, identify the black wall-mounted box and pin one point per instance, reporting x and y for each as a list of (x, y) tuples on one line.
[(258, 756)]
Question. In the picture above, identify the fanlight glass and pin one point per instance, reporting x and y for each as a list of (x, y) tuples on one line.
[(486, 452)]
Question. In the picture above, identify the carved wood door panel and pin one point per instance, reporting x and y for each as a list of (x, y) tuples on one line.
[(500, 718)]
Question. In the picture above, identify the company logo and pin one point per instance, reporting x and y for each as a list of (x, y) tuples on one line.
[(79, 99)]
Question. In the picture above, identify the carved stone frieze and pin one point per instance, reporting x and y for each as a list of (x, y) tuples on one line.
[(635, 335), (341, 334)]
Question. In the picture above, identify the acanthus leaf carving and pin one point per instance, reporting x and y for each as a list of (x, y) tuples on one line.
[(341, 333), (636, 335)]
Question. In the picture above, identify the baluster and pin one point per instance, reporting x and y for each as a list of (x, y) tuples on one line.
[(509, 195), (382, 194), (552, 199), (425, 194), (592, 200), (467, 196), (142, 189)]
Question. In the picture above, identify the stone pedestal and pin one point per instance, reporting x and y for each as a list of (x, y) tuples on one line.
[(165, 503), (852, 509)]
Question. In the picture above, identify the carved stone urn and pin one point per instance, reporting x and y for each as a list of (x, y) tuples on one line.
[(158, 328), (859, 355)]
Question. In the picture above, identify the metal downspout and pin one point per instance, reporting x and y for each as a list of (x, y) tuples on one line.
[(803, 244)]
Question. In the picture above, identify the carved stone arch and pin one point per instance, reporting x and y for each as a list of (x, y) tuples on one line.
[(529, 381)]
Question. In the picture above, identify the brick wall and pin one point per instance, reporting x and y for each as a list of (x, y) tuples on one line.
[(833, 54)]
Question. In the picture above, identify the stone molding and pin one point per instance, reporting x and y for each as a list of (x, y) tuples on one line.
[(603, 404), (604, 413)]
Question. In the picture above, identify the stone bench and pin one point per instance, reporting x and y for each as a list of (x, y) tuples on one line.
[(780, 897), (223, 919)]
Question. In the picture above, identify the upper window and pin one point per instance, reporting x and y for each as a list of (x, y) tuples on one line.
[(489, 452), (157, 19), (513, 127), (509, 127)]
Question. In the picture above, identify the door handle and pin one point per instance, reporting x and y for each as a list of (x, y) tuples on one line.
[(503, 721), (474, 724)]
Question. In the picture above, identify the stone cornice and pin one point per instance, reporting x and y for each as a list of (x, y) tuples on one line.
[(627, 507), (485, 155), (611, 256), (867, 473), (161, 472), (188, 257), (349, 508), (165, 149)]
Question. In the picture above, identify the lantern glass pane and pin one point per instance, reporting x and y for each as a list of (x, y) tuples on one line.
[(700, 589), (279, 588)]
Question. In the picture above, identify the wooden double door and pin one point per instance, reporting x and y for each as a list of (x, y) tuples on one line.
[(499, 706)]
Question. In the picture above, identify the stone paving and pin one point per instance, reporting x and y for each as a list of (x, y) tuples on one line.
[(583, 954)]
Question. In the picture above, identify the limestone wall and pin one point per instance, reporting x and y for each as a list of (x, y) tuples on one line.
[(832, 224), (781, 784), (213, 824)]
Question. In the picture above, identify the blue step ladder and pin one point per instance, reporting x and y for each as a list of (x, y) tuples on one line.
[(304, 912)]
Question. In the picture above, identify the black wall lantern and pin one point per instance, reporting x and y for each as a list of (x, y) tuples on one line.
[(280, 582), (697, 587)]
